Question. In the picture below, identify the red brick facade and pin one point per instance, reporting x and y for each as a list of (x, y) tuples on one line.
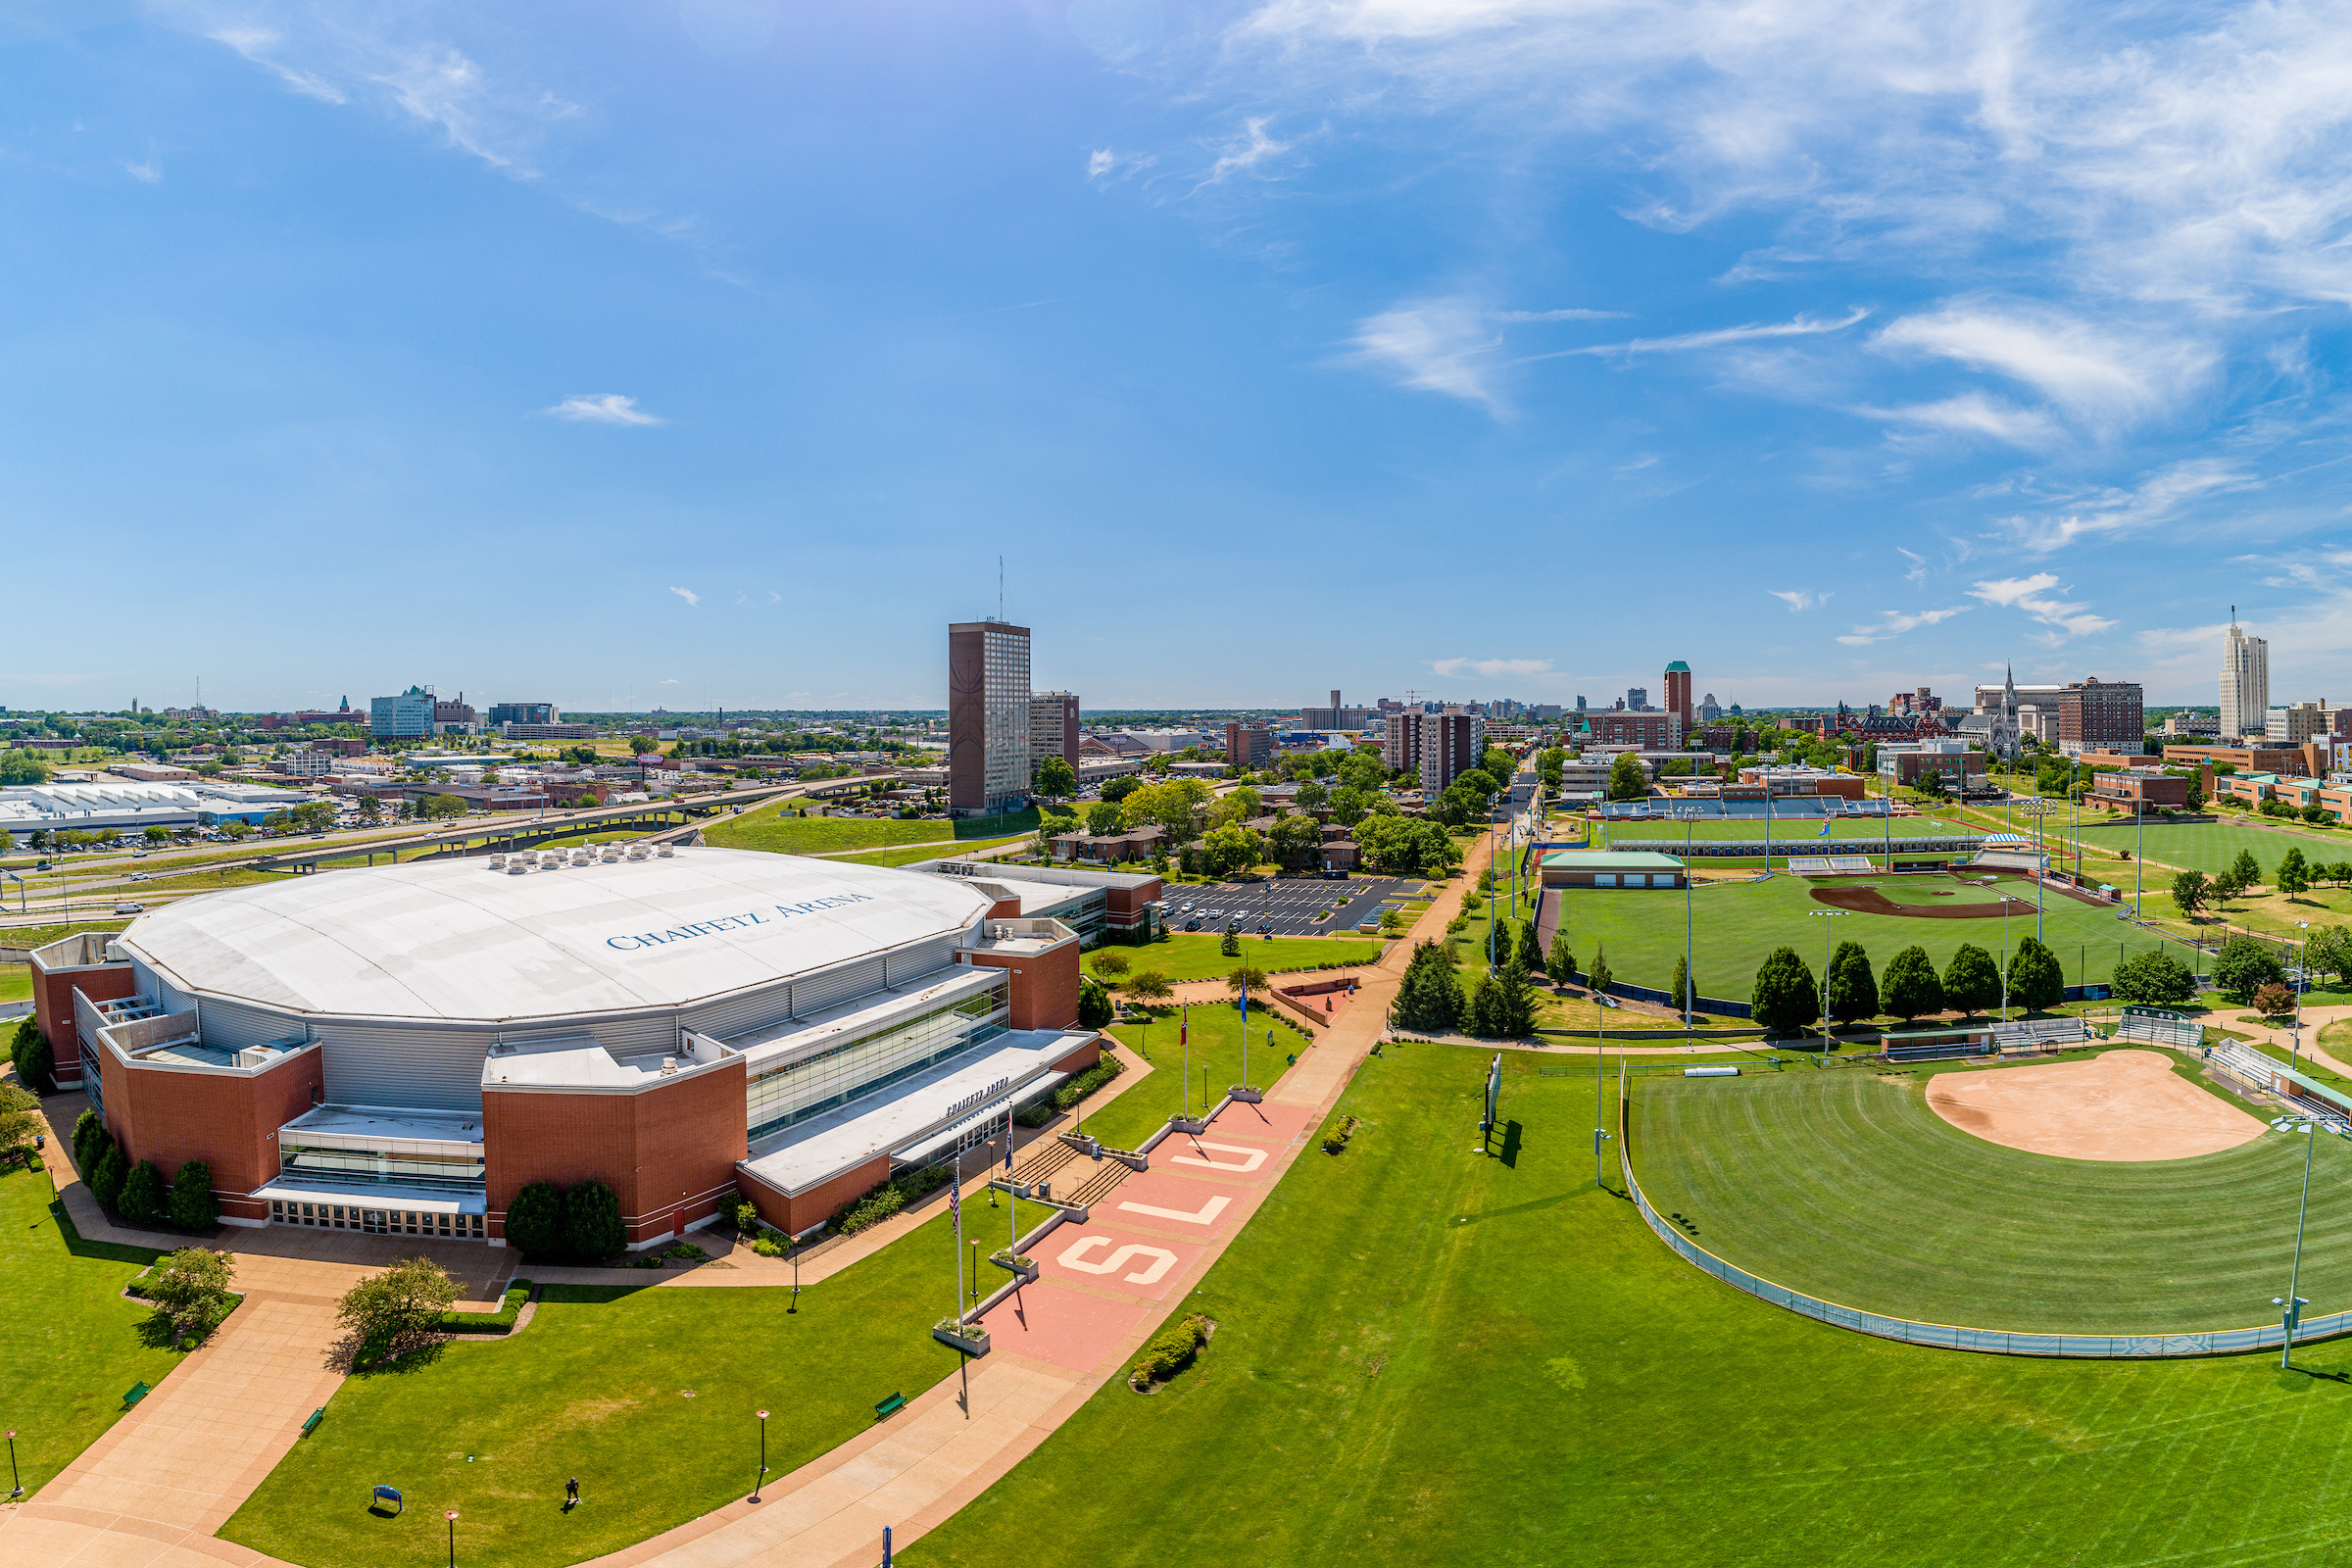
[(794, 1215), (230, 1120), (53, 1007), (667, 1151), (1045, 985)]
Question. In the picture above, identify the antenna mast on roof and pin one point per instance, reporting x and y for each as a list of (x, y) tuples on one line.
[(1000, 588)]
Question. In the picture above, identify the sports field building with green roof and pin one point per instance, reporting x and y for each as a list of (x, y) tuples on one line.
[(1612, 868)]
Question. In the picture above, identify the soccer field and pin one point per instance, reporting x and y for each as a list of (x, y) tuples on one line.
[(2210, 846), (1845, 1185), (1736, 923)]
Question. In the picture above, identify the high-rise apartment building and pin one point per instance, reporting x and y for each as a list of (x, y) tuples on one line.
[(988, 716), (2245, 682), (1438, 747), (2096, 716), (1636, 698), (1250, 746), (1678, 693), (2295, 723), (1052, 728)]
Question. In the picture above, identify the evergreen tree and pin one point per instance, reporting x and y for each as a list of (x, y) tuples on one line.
[(192, 1203), (1599, 975), (2244, 872), (2036, 981), (1530, 952), (1680, 991), (1911, 988), (87, 1131), (1854, 989), (1560, 962), (105, 1182), (141, 1200), (592, 1227), (1486, 1008), (1518, 1014), (1093, 1004), (1429, 1000), (535, 1222), (1231, 947), (1971, 981), (1785, 998)]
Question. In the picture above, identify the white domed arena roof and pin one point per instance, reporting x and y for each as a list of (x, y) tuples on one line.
[(452, 939)]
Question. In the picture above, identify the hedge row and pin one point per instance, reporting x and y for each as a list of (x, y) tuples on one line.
[(889, 1197), (501, 1321), (1170, 1352)]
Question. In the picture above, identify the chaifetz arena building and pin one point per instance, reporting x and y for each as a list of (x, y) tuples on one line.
[(401, 1050)]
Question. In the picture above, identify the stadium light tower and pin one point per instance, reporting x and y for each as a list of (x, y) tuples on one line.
[(1690, 816), (2290, 1305), (1826, 914), (2295, 1054)]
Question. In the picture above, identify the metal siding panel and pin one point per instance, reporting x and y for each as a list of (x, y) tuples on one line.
[(836, 985), (920, 959), (630, 1036), (426, 1068), (233, 1026), (737, 1015)]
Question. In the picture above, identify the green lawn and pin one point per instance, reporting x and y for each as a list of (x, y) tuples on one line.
[(74, 1344), (1844, 1184), (1429, 1356), (930, 852), (2210, 846), (38, 936), (595, 1387), (1198, 955), (1736, 923), (16, 982), (1216, 1060), (776, 830)]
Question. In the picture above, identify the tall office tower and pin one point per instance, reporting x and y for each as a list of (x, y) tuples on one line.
[(2245, 682), (1054, 729), (1636, 698), (988, 716), (1678, 693)]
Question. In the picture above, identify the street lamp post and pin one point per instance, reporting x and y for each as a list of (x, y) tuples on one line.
[(15, 1481), (1826, 914), (762, 1480), (452, 1517)]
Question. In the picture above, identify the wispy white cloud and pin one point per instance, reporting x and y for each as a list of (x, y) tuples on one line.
[(1718, 337), (1919, 565), (1491, 667), (1975, 413), (1799, 600), (1441, 345), (603, 408), (1571, 315), (263, 46), (150, 171), (692, 598), (1107, 166), (2118, 512), (1246, 152), (2034, 597), (674, 681), (1895, 622), (2100, 376)]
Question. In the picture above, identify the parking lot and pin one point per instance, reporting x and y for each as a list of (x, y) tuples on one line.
[(1287, 905)]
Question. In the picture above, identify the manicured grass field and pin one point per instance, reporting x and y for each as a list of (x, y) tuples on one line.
[(1198, 955), (74, 1344), (596, 1387), (2210, 846), (774, 828), (16, 983), (931, 852), (1426, 1356), (1215, 1055), (1736, 923), (38, 936), (1844, 1184)]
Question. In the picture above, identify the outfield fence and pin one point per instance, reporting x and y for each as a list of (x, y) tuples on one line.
[(1949, 1336)]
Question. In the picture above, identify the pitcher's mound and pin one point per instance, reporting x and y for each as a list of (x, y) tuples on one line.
[(2122, 1105)]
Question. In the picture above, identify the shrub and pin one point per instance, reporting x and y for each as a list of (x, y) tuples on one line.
[(768, 1247), (592, 1227), (105, 1183), (192, 1288), (36, 1067), (1336, 1139), (1169, 1352), (88, 1130), (1093, 1004), (402, 1302), (535, 1222), (192, 1205), (871, 1209)]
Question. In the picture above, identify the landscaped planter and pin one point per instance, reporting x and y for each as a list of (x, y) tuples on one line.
[(969, 1338), (1245, 1095), (1025, 1268)]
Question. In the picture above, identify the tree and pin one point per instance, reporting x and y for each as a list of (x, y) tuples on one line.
[(1561, 962), (2275, 1000), (1312, 794), (2244, 872), (105, 1183), (1296, 842), (1093, 1004), (1971, 983), (1247, 979), (1108, 966), (2152, 979), (2190, 891), (1599, 976), (1055, 776), (192, 1205), (1428, 999), (592, 1227), (1628, 781), (1049, 829), (2244, 967), (1785, 998), (1118, 789), (89, 1140), (2330, 952), (1149, 986), (141, 1201), (1486, 1007), (18, 767), (403, 1303), (1174, 806), (1854, 989), (1227, 849), (191, 1288), (535, 1222), (19, 1121), (1527, 950), (1517, 1014), (1103, 818), (1681, 989), (28, 1051), (2036, 981), (1911, 987), (2294, 874)]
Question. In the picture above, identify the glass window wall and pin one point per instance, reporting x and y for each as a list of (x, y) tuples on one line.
[(782, 1096)]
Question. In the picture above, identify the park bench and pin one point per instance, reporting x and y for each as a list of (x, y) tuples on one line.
[(317, 1416), (890, 1406), (137, 1391)]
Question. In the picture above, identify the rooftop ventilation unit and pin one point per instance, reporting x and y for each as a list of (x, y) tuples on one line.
[(517, 865), (667, 850), (497, 863)]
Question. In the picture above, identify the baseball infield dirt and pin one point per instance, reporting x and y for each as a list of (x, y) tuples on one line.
[(2122, 1104)]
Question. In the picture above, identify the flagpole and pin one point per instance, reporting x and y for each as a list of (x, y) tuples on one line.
[(1184, 1038), (1012, 1198)]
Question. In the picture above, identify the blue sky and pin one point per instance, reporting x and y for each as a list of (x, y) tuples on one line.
[(658, 354)]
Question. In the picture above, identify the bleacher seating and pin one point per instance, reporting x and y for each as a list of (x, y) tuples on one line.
[(2039, 1034), (1809, 865), (2161, 1028), (2008, 859), (1851, 865)]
